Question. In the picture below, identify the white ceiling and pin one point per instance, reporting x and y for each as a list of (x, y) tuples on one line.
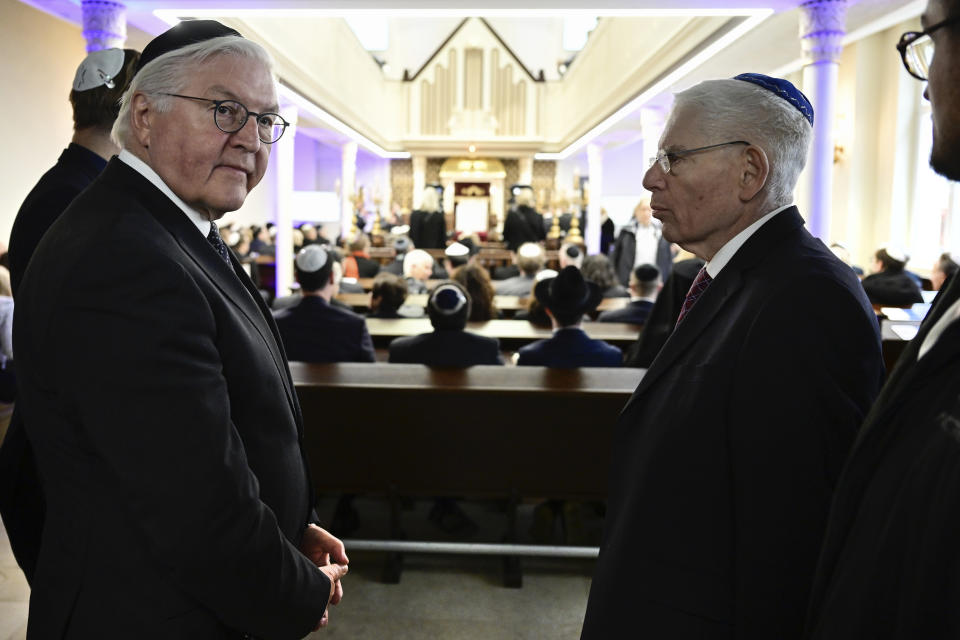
[(534, 32)]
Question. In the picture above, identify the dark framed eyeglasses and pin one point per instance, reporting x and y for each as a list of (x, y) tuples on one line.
[(665, 158), (916, 49), (230, 116)]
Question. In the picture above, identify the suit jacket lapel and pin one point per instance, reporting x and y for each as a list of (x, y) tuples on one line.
[(236, 286), (720, 293)]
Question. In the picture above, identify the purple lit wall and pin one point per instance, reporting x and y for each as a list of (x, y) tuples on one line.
[(316, 166)]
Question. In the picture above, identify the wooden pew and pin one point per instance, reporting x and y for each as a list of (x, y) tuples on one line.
[(512, 334), (537, 431), (508, 304), (408, 430)]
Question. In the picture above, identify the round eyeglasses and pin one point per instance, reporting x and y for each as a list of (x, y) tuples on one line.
[(230, 116), (916, 49), (665, 158)]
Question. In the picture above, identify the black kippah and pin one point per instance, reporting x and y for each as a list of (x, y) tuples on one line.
[(573, 251), (184, 34)]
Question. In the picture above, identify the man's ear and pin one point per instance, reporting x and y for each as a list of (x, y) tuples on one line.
[(142, 116), (754, 171)]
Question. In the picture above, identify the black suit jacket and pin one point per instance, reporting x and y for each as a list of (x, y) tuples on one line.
[(428, 229), (446, 348), (725, 457), (569, 348), (315, 331), (21, 498), (522, 224), (166, 430), (895, 289), (889, 564), (636, 312)]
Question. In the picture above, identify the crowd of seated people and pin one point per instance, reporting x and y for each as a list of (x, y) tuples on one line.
[(413, 271)]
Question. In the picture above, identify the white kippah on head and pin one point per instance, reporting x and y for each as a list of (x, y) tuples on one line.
[(98, 69), (311, 258), (529, 250), (456, 250), (546, 273), (401, 230), (897, 253)]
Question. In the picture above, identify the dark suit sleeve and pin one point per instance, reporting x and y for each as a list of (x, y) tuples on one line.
[(148, 389), (808, 371), (367, 352)]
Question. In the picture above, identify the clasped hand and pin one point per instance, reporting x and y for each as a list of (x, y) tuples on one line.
[(322, 548)]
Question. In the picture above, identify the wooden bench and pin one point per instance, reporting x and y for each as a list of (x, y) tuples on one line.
[(507, 304), (408, 430), (512, 334)]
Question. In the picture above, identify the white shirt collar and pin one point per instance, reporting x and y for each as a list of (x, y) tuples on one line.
[(727, 251), (141, 167)]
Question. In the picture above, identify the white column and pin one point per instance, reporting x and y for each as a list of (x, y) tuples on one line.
[(525, 170), (104, 24), (284, 159), (821, 34), (348, 180), (591, 234), (419, 180)]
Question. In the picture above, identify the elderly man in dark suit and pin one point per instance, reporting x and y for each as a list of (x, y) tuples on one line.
[(725, 458), (154, 388), (313, 330), (448, 345), (889, 564), (566, 298)]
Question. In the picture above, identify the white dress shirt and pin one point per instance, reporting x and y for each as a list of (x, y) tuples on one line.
[(141, 167), (727, 251)]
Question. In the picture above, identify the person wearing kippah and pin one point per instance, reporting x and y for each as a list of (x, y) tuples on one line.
[(725, 458), (155, 391), (315, 330), (645, 283), (448, 345), (101, 79)]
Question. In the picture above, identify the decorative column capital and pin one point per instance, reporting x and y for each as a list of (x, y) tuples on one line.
[(822, 27), (104, 24)]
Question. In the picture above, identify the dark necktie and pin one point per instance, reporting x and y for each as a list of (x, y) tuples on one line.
[(700, 284), (217, 243)]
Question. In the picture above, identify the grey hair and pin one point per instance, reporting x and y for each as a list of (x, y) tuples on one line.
[(430, 200), (415, 257), (730, 110), (170, 73)]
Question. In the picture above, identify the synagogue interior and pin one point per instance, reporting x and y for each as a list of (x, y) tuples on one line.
[(430, 143)]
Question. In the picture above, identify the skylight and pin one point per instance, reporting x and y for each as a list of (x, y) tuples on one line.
[(576, 29), (372, 32)]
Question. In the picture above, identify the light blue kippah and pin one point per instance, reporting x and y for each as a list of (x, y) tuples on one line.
[(782, 88)]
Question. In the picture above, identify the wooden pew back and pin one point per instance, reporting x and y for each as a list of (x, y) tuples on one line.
[(482, 431)]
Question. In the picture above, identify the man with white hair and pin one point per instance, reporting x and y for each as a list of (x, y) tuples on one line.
[(154, 387), (417, 268), (725, 457)]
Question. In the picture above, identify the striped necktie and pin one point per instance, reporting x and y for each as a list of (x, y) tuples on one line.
[(700, 284)]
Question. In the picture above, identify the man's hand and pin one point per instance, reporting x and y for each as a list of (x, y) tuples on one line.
[(321, 548)]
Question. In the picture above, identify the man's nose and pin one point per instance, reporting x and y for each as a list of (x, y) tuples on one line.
[(653, 178), (248, 136)]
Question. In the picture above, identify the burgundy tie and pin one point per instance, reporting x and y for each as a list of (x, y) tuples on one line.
[(700, 284)]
